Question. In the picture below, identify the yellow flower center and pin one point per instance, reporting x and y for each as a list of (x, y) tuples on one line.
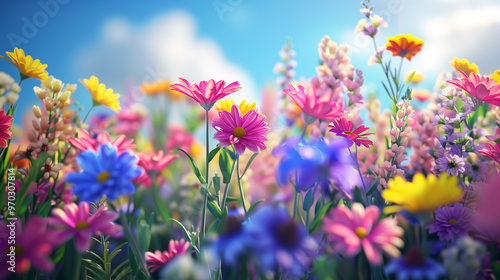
[(452, 221), (82, 225), (103, 176), (239, 132), (360, 232)]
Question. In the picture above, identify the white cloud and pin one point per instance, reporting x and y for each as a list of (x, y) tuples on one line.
[(167, 47), (464, 32)]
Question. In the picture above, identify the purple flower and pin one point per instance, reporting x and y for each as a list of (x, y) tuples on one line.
[(452, 164), (278, 240), (415, 266), (451, 220)]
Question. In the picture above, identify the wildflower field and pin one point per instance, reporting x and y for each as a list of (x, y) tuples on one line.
[(325, 179)]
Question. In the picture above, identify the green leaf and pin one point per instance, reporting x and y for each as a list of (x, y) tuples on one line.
[(357, 196), (252, 207), (232, 199), (225, 164), (186, 233), (459, 104), (319, 216), (394, 109), (214, 209), (248, 164), (131, 259), (216, 181), (59, 254), (118, 267), (116, 251), (212, 154), (410, 77), (194, 167), (222, 221), (373, 188)]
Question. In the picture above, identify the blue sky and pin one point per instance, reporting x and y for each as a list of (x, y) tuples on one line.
[(130, 41)]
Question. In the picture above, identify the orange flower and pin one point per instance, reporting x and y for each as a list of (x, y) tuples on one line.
[(405, 46)]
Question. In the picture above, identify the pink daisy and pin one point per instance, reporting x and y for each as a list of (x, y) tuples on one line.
[(351, 229), (75, 221), (5, 124), (84, 142), (206, 93), (316, 107), (241, 131), (343, 127), (480, 87), (33, 245), (493, 152), (158, 259)]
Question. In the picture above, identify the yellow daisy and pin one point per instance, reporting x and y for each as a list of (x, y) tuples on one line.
[(226, 104), (101, 95), (405, 46), (417, 77), (160, 87), (496, 76), (421, 195), (26, 65), (464, 65)]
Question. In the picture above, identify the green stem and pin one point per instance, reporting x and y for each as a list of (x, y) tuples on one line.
[(88, 113), (296, 195), (227, 188), (204, 206), (307, 220), (239, 184)]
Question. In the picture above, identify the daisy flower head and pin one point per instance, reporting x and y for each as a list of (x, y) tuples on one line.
[(159, 259), (422, 194), (451, 220), (464, 66), (451, 164), (5, 125), (344, 127), (101, 95), (207, 92), (492, 152), (75, 221), (28, 68), (351, 230), (104, 173), (405, 46), (314, 106), (243, 132), (480, 87), (226, 104)]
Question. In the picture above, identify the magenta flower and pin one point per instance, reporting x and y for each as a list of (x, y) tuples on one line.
[(5, 124), (344, 127), (241, 131), (206, 93), (485, 218), (75, 221), (493, 152), (351, 229), (158, 259), (480, 87), (84, 142), (316, 107), (33, 245)]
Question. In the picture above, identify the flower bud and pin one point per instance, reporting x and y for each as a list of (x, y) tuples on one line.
[(32, 136), (59, 126), (70, 88), (36, 125), (36, 111), (56, 85), (68, 114), (410, 121), (2, 91), (44, 123), (49, 105), (400, 123), (47, 83), (40, 92), (12, 98), (400, 114), (63, 97), (15, 88)]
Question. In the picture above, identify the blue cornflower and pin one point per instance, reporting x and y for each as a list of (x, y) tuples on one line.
[(414, 266), (278, 240), (232, 243), (316, 162), (104, 173)]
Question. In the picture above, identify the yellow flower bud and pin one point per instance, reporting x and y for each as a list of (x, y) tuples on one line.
[(12, 98), (56, 85), (63, 97), (40, 92), (49, 104), (70, 87), (59, 126), (47, 83), (16, 88), (68, 114), (35, 124), (37, 111)]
